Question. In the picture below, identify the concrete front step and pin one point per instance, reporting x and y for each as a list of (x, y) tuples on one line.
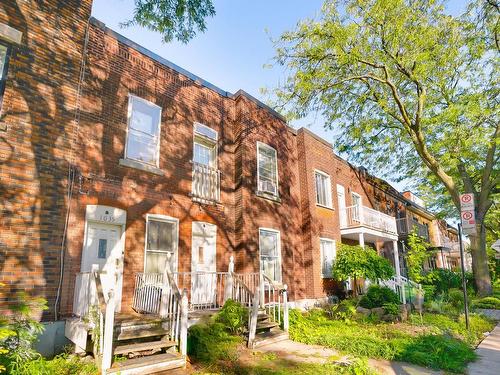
[(148, 365), (269, 337), (143, 347)]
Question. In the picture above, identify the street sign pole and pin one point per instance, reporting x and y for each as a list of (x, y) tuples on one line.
[(464, 281)]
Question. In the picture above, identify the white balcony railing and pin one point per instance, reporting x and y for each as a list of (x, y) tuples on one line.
[(206, 183), (354, 216)]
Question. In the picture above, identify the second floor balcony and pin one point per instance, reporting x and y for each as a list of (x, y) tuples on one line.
[(405, 226), (362, 216), (206, 183)]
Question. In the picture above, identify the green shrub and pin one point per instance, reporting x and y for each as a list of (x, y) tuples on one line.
[(19, 332), (377, 296), (233, 316), (391, 308), (456, 298), (429, 292), (487, 303), (209, 343), (443, 280), (63, 364), (344, 310)]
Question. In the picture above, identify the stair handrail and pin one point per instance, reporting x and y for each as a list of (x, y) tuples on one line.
[(174, 307), (275, 297), (254, 312)]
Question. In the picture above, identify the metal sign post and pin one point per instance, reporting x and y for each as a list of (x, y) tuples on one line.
[(464, 281)]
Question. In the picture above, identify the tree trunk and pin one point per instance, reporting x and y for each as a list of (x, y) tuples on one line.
[(480, 260)]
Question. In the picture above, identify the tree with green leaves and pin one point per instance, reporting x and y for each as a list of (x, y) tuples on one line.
[(356, 262), (412, 92), (173, 19), (418, 253)]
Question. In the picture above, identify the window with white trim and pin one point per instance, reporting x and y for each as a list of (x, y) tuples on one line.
[(143, 134), (4, 64), (161, 240), (267, 169), (328, 254), (270, 257), (205, 146), (323, 189), (356, 202)]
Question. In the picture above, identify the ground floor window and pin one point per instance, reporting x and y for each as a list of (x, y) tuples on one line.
[(328, 253), (270, 259), (161, 240)]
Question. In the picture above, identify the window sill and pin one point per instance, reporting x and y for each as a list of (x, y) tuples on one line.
[(268, 196), (143, 167), (326, 207)]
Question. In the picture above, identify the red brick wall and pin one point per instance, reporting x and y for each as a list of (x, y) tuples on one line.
[(36, 124)]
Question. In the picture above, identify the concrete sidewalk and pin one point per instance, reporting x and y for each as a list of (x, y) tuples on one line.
[(488, 351)]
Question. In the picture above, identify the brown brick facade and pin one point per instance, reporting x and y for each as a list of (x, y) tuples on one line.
[(62, 138)]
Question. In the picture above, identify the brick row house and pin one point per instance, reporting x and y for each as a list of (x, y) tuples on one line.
[(111, 155)]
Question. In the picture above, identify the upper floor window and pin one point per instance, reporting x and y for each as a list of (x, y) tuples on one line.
[(206, 177), (143, 135), (328, 254), (205, 146), (267, 169), (4, 64), (270, 254), (356, 202), (323, 189)]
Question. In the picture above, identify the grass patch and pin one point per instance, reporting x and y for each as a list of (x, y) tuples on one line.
[(436, 341), (209, 343)]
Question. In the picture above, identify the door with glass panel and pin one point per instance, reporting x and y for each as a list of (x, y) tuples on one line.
[(203, 263), (356, 207), (205, 174), (270, 254), (342, 206), (103, 249)]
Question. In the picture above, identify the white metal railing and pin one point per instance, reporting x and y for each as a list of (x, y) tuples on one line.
[(403, 286), (365, 216), (206, 183)]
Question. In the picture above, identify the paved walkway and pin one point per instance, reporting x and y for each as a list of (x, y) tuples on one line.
[(489, 355)]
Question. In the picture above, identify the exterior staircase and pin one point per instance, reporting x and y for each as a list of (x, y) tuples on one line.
[(267, 331), (142, 345)]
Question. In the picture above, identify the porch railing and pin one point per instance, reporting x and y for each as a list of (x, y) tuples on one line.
[(404, 287), (206, 183), (405, 227), (364, 216)]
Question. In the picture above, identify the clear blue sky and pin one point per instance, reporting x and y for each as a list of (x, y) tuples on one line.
[(231, 54)]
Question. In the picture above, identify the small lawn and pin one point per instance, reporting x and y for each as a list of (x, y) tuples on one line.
[(435, 340)]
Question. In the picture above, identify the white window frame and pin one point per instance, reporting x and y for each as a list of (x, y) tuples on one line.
[(360, 205), (325, 239), (202, 136), (328, 189), (166, 219), (278, 250), (131, 99), (264, 145)]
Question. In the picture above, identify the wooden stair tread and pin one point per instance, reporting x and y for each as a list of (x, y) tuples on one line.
[(266, 325), (148, 365), (140, 333), (143, 346)]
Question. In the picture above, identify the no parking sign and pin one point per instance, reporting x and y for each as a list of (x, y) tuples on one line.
[(467, 214)]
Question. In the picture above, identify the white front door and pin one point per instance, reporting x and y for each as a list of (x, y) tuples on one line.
[(341, 203), (203, 263), (104, 248)]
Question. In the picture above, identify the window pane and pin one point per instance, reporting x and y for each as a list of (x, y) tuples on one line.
[(160, 236), (269, 254), (328, 256), (155, 262), (268, 243), (3, 59), (205, 131), (144, 117), (141, 147), (204, 155), (267, 172)]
